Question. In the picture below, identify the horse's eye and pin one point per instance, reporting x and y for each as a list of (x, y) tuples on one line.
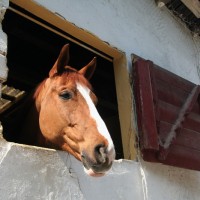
[(65, 95)]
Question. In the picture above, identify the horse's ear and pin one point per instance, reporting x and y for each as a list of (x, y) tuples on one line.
[(89, 69), (61, 61)]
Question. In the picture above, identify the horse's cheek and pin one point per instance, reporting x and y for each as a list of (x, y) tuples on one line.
[(43, 124), (48, 124)]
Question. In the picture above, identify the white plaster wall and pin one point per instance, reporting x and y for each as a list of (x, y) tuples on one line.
[(35, 173), (134, 26), (171, 183), (3, 42)]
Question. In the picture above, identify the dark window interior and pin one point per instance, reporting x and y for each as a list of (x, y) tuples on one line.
[(32, 50)]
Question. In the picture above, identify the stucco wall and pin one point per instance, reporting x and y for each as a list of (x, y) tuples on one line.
[(35, 173), (3, 43), (137, 27)]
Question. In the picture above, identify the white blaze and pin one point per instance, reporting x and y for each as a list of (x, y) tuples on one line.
[(85, 92)]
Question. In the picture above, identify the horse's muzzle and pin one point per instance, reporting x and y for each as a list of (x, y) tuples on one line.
[(100, 163)]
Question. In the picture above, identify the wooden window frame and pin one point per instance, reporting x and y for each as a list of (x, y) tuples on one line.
[(87, 40)]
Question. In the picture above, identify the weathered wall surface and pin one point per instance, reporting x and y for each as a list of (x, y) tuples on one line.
[(35, 173), (3, 43), (137, 27)]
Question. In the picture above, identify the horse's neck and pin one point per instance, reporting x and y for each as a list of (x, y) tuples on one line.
[(37, 95)]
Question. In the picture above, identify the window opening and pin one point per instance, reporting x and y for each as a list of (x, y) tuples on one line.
[(32, 50)]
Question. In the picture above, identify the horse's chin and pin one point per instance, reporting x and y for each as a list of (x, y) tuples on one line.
[(90, 172)]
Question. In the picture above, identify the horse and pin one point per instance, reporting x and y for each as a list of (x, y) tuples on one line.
[(64, 116)]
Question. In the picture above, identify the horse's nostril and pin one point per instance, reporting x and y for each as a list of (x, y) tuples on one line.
[(100, 153)]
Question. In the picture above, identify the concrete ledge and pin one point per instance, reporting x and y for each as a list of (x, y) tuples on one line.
[(37, 173)]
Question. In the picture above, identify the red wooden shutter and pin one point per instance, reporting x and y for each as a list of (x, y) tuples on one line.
[(168, 116)]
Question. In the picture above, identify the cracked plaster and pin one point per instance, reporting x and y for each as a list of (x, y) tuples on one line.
[(38, 173)]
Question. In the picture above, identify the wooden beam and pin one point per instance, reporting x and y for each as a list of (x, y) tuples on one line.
[(64, 25), (194, 6)]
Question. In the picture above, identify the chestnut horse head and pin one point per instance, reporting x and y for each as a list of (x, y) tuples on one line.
[(68, 118)]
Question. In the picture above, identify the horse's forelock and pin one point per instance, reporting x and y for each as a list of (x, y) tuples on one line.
[(69, 75), (75, 77)]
